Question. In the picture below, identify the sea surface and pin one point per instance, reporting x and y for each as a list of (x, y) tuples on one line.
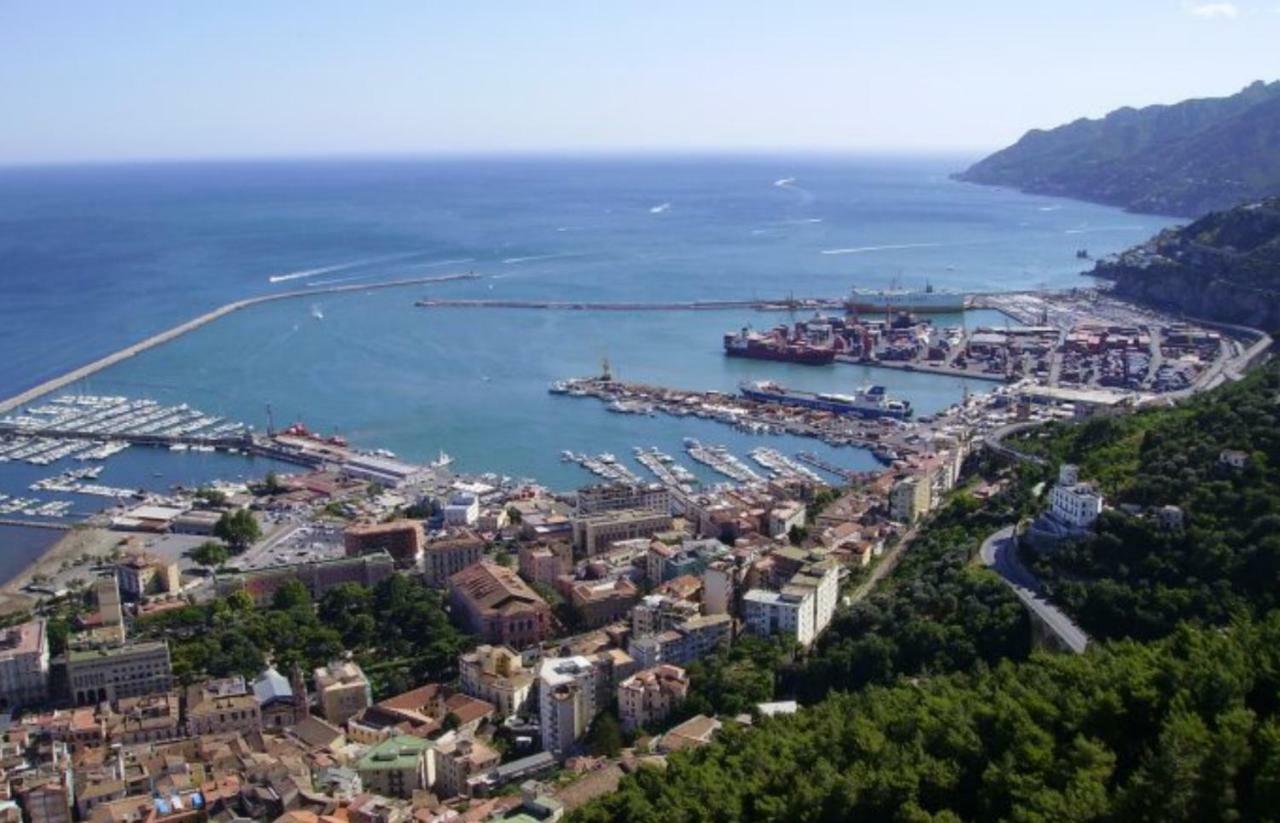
[(95, 257)]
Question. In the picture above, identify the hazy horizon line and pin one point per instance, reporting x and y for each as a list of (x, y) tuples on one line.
[(692, 153)]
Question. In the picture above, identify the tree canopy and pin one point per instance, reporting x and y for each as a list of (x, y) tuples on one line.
[(398, 630), (238, 528)]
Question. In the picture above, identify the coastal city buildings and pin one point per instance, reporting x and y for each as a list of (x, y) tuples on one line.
[(910, 499), (603, 601), (545, 562), (594, 532), (462, 511), (318, 576)]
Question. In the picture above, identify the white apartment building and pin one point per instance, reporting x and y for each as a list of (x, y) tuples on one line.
[(790, 613), (1072, 503), (801, 611), (462, 510), (567, 701)]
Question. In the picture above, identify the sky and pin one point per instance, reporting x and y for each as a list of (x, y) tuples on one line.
[(135, 79)]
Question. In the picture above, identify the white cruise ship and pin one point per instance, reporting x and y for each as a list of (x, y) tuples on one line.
[(913, 300)]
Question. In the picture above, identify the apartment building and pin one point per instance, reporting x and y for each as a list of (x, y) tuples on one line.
[(648, 697)]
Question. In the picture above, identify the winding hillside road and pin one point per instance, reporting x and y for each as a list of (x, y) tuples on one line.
[(999, 553)]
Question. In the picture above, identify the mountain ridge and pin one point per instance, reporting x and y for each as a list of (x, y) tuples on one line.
[(1182, 159)]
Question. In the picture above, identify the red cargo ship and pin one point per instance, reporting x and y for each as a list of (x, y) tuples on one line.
[(774, 345)]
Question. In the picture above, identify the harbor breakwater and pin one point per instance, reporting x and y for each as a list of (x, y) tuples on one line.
[(9, 404)]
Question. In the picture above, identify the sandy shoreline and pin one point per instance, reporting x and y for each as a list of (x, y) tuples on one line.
[(93, 541)]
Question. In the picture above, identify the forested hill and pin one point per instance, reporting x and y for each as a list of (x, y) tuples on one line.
[(1224, 266), (923, 705), (1138, 577), (1184, 159)]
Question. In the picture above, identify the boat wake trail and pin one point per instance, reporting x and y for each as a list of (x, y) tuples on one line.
[(298, 275), (533, 257), (661, 208), (335, 280), (889, 247), (789, 184), (1089, 229)]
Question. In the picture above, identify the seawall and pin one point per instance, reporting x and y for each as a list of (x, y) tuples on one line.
[(53, 384)]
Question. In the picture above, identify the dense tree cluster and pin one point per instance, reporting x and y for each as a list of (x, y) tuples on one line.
[(398, 630), (1183, 729)]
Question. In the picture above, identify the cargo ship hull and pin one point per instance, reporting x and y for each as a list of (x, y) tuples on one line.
[(872, 404), (805, 357)]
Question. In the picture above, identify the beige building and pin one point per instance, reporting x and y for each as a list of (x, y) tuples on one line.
[(95, 675), (24, 664), (342, 690), (593, 533), (719, 583), (224, 705), (497, 674), (108, 625), (648, 696), (606, 497), (457, 761), (442, 559), (543, 563), (598, 602), (910, 499), (141, 575)]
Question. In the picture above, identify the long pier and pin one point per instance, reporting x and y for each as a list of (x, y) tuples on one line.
[(194, 323), (693, 305), (35, 524)]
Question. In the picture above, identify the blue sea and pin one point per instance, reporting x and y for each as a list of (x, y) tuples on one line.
[(95, 257)]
